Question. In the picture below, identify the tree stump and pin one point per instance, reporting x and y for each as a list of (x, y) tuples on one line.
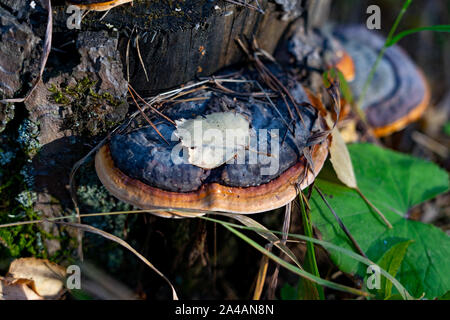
[(153, 46)]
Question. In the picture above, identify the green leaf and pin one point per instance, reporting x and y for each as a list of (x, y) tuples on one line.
[(345, 87), (333, 73), (394, 297), (325, 80), (288, 292), (394, 183), (446, 296), (401, 35), (391, 262), (80, 295), (447, 128)]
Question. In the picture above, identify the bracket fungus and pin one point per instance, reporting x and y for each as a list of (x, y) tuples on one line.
[(398, 93), (279, 153)]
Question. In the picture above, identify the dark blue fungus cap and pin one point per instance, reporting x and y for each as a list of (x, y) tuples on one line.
[(138, 167)]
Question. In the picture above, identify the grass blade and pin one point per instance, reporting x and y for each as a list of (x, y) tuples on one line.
[(263, 231), (274, 240), (369, 79), (291, 267), (310, 254), (261, 278), (124, 244), (401, 35), (266, 234), (329, 246)]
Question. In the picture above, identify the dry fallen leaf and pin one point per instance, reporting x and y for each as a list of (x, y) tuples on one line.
[(47, 277), (206, 138), (340, 158), (348, 131), (17, 290)]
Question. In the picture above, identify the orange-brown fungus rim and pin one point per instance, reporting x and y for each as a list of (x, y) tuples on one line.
[(346, 65), (211, 196), (101, 6), (412, 116)]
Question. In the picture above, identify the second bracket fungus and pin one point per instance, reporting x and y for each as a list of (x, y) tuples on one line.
[(262, 165), (398, 93)]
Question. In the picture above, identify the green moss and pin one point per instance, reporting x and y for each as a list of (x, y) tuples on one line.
[(23, 240), (58, 96), (91, 109), (17, 199)]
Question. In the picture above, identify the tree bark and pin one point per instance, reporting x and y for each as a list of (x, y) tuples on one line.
[(177, 41)]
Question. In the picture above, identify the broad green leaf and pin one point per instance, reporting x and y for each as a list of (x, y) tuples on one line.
[(79, 294), (391, 262), (447, 128), (288, 292), (394, 183), (394, 297)]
